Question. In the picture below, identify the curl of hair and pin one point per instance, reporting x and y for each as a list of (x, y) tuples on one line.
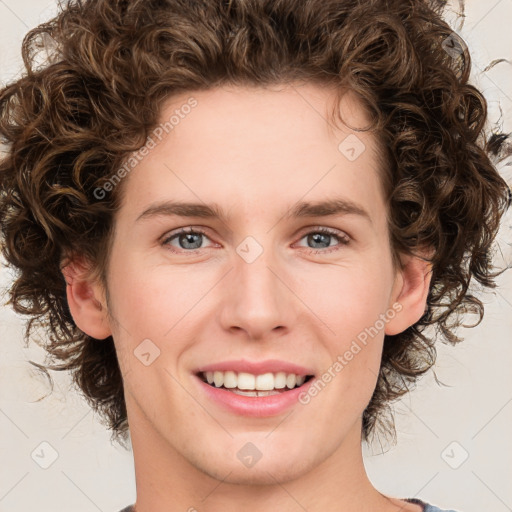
[(69, 123)]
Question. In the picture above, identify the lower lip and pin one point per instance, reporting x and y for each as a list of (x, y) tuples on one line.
[(258, 406)]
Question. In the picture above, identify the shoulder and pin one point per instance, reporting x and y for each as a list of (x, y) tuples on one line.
[(433, 508), (427, 507)]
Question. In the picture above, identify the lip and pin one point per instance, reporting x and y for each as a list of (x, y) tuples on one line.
[(256, 367), (261, 406), (254, 406)]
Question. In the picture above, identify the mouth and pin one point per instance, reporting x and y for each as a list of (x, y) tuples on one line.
[(251, 385)]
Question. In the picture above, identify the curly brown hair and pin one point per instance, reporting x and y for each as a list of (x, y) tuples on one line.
[(70, 122)]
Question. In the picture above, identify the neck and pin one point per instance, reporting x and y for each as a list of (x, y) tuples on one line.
[(167, 481)]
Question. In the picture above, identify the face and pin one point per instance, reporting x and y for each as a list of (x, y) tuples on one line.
[(269, 285)]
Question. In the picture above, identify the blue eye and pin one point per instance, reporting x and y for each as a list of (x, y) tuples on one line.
[(323, 236), (190, 240)]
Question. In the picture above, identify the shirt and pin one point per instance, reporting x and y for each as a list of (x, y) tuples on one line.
[(426, 506)]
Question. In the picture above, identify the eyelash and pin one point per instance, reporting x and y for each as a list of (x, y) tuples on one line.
[(342, 238)]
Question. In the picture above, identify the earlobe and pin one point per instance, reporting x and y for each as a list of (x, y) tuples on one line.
[(86, 301), (411, 289)]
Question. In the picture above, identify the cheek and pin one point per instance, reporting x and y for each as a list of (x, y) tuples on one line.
[(156, 303), (354, 307), (348, 299), (150, 300)]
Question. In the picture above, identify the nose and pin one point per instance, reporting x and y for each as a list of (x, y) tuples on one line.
[(257, 298)]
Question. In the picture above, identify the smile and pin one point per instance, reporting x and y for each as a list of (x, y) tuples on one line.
[(248, 384)]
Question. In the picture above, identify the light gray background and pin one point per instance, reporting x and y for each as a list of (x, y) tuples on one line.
[(438, 427)]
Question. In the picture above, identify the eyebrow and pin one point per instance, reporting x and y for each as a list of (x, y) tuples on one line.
[(331, 207), (337, 206)]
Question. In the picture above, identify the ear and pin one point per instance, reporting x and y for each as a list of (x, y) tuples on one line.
[(86, 300), (409, 294)]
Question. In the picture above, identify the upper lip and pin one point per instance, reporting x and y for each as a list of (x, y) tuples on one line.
[(256, 367)]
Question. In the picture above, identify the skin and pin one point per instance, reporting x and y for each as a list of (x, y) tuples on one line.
[(255, 152)]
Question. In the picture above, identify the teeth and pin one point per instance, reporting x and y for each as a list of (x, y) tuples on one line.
[(280, 380), (248, 382), (255, 393), (291, 380), (218, 379), (264, 382), (230, 379)]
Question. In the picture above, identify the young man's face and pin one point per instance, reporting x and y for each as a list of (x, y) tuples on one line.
[(262, 285)]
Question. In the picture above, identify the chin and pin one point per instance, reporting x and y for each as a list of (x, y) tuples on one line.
[(263, 473), (245, 464)]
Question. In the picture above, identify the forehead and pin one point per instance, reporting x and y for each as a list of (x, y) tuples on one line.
[(254, 147)]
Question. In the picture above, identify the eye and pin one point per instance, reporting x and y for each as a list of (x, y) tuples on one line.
[(191, 239), (321, 239), (188, 239)]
